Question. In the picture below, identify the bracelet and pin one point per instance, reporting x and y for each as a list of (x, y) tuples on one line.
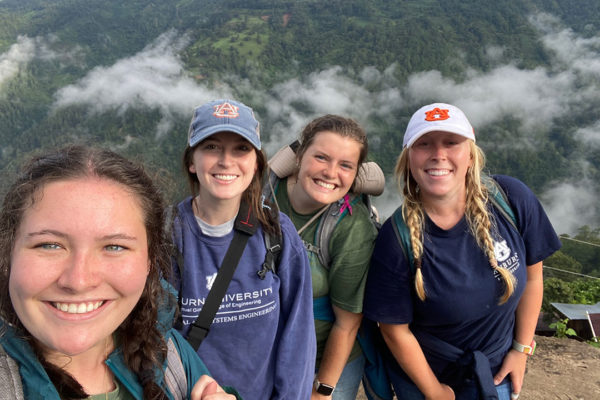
[(521, 348)]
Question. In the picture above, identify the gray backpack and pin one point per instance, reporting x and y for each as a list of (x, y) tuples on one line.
[(10, 378)]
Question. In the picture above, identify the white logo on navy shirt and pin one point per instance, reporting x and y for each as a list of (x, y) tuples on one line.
[(210, 280), (501, 251)]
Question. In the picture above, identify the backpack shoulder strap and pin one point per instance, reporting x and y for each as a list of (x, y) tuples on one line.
[(175, 376), (403, 235), (273, 243), (334, 214), (272, 184), (244, 227), (10, 378), (499, 199)]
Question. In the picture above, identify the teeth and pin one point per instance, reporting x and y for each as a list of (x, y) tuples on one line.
[(226, 177), (78, 308), (438, 172), (326, 185)]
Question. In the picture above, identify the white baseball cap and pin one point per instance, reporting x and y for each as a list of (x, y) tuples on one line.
[(437, 117)]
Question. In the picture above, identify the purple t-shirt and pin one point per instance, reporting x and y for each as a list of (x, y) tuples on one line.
[(462, 289)]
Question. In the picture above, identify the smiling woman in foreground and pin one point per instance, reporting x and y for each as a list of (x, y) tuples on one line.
[(82, 254)]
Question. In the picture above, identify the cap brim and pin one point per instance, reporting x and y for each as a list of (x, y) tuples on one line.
[(458, 131), (225, 128)]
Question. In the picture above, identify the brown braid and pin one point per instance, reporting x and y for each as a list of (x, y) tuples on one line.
[(478, 217)]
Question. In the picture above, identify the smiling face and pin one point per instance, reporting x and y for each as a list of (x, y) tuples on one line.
[(439, 162), (79, 264), (224, 164), (327, 170)]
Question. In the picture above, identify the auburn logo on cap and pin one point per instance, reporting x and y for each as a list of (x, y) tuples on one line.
[(226, 110), (437, 114)]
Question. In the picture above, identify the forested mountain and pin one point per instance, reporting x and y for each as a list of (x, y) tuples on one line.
[(126, 74)]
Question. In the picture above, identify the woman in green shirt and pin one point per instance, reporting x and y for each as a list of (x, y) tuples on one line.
[(331, 150)]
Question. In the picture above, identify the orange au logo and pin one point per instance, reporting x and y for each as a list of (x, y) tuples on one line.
[(436, 114), (226, 110)]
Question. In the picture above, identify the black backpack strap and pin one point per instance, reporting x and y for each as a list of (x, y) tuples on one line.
[(273, 243), (245, 226)]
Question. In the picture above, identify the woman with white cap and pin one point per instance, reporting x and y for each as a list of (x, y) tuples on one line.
[(260, 337), (458, 294)]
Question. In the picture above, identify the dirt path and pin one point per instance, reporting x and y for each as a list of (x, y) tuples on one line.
[(561, 369)]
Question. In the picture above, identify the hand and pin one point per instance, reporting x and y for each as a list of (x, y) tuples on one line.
[(514, 364), (445, 393), (206, 388)]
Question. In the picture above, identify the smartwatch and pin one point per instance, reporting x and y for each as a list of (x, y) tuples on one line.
[(521, 348), (323, 388)]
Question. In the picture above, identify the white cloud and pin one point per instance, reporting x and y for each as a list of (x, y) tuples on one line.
[(536, 98), (571, 205), (17, 56), (590, 135), (531, 96), (153, 78), (26, 49)]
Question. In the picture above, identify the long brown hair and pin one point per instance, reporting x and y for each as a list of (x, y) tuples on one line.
[(479, 219), (143, 346)]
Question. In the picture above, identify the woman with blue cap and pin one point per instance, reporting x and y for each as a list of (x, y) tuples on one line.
[(261, 336), (456, 275)]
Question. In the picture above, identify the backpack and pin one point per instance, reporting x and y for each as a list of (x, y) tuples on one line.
[(10, 378), (370, 181)]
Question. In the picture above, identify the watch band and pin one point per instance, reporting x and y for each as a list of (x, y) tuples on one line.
[(323, 388), (529, 350)]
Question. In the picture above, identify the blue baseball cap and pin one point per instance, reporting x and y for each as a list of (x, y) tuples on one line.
[(224, 116)]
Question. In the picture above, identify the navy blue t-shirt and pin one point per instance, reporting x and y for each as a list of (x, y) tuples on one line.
[(462, 289)]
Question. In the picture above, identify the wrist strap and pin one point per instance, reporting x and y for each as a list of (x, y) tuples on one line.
[(521, 348)]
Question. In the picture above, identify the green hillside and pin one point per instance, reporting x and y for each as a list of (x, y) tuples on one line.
[(127, 74), (291, 60)]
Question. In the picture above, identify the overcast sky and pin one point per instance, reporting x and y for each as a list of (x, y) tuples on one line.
[(156, 78)]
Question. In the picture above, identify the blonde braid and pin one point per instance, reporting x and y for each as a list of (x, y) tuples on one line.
[(476, 212), (479, 219), (412, 213)]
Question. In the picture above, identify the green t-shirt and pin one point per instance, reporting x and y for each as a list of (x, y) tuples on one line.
[(120, 393), (350, 248)]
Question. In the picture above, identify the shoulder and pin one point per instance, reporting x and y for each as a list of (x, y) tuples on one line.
[(185, 206), (513, 187), (288, 230), (387, 237)]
